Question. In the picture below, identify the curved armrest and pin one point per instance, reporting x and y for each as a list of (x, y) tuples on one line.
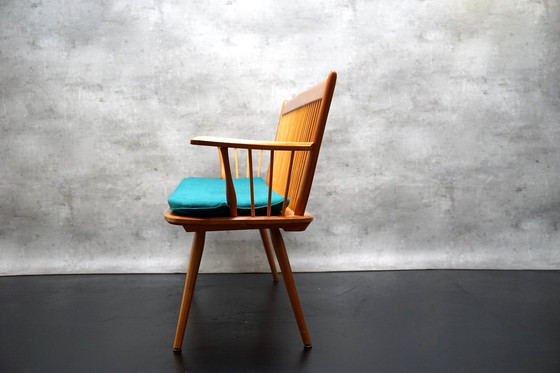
[(224, 142)]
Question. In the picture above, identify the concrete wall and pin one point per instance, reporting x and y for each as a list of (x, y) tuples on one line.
[(442, 148)]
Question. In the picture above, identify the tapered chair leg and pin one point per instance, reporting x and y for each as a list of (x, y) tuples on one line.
[(269, 255), (190, 281), (288, 277)]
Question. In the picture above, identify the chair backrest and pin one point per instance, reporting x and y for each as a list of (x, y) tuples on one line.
[(303, 118)]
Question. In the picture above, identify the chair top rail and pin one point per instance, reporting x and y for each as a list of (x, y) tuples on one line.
[(312, 94)]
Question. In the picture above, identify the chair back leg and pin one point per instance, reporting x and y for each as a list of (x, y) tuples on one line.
[(269, 255), (288, 277), (190, 281)]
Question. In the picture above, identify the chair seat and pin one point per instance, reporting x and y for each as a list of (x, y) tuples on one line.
[(206, 197)]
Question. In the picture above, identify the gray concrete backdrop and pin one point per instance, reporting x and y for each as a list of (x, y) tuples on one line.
[(442, 149)]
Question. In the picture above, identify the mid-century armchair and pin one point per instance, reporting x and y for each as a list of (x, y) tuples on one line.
[(270, 203)]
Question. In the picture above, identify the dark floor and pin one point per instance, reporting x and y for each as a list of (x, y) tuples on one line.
[(394, 321)]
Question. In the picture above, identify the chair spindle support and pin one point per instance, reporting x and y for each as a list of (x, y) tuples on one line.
[(260, 163), (270, 173), (292, 153), (236, 161), (250, 172), (230, 189)]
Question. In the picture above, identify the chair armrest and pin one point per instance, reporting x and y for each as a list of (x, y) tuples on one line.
[(224, 142)]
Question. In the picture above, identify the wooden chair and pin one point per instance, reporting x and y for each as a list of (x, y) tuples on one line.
[(293, 158)]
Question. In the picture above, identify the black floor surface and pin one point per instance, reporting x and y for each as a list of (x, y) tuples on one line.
[(394, 321)]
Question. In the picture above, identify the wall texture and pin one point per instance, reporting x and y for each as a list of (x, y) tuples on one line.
[(442, 149)]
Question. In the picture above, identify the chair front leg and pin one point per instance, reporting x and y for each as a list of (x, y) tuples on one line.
[(288, 277), (190, 281), (269, 255)]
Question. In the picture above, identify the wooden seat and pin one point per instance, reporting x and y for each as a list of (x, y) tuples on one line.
[(292, 163)]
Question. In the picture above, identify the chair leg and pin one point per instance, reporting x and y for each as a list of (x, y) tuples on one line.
[(190, 281), (269, 255), (286, 269)]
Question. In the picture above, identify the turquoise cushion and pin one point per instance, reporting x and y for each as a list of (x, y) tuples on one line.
[(203, 197)]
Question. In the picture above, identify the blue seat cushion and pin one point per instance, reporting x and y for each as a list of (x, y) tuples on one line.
[(205, 197)]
